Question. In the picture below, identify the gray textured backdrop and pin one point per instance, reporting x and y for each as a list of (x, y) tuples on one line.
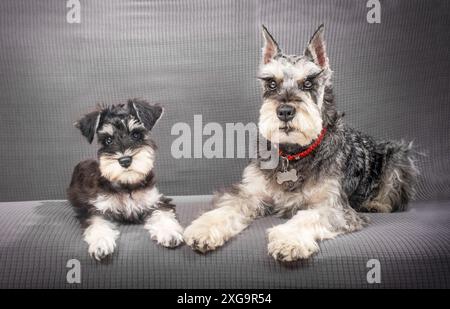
[(201, 57)]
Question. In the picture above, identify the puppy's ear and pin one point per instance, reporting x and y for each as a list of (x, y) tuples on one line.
[(316, 50), (88, 125), (270, 49), (148, 114)]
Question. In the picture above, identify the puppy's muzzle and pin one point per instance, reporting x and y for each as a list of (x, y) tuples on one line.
[(125, 161), (285, 112)]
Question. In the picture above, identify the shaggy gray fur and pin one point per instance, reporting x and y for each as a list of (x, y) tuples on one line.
[(362, 164)]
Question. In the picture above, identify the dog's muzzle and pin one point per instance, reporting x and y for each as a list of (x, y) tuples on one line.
[(285, 112), (125, 161)]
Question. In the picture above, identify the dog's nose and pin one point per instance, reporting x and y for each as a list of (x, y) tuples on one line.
[(125, 161), (285, 112)]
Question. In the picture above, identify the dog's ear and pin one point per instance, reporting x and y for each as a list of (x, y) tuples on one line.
[(270, 49), (88, 125), (316, 50), (148, 114)]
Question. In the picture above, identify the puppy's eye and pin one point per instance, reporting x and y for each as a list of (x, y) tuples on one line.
[(108, 140), (272, 84), (136, 136), (307, 85)]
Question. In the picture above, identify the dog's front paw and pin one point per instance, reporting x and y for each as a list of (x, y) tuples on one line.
[(101, 238), (167, 238), (203, 238), (165, 229), (288, 245), (102, 248)]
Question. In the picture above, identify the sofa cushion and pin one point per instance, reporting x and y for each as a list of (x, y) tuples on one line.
[(38, 238)]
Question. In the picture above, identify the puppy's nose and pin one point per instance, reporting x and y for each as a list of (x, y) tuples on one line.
[(285, 112), (125, 161)]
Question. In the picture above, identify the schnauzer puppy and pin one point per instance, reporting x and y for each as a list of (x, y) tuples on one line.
[(326, 171), (120, 186)]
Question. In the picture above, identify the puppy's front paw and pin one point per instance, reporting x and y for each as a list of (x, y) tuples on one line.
[(165, 229), (167, 238), (101, 238), (203, 237), (287, 246), (101, 248)]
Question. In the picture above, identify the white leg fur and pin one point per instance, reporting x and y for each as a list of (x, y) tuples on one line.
[(234, 212), (325, 215), (164, 228), (101, 237), (214, 228), (297, 238)]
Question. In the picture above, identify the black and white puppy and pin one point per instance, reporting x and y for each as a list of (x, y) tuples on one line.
[(120, 186)]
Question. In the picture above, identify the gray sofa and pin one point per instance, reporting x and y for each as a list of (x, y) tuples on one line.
[(37, 239), (200, 58)]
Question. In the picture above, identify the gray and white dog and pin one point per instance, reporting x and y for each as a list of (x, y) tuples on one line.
[(327, 172)]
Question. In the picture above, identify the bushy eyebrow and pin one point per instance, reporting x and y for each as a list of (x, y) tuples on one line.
[(106, 129), (314, 75), (267, 77), (102, 136)]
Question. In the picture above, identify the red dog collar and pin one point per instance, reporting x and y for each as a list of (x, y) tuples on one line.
[(307, 151)]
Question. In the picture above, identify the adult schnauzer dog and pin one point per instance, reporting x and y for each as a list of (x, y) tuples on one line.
[(326, 171), (120, 186)]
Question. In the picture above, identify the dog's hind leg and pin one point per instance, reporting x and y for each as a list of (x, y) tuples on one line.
[(396, 186), (235, 210)]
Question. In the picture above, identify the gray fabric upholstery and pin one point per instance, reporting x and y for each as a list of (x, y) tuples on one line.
[(38, 238), (201, 57)]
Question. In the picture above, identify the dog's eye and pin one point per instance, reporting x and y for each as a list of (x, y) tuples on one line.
[(272, 84), (136, 136), (307, 85), (108, 140)]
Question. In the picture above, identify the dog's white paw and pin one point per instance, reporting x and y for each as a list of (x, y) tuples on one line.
[(203, 237), (289, 245), (165, 229), (212, 229), (101, 238), (102, 247), (167, 238)]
